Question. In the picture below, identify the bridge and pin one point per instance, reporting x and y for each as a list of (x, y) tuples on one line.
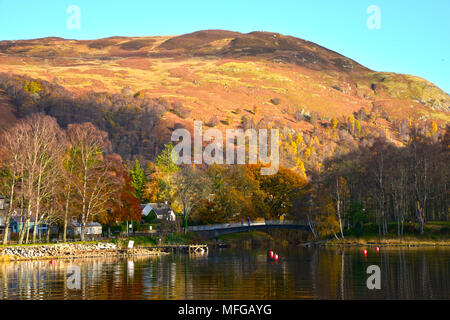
[(216, 230)]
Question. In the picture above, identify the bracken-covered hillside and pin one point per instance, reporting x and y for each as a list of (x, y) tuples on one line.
[(229, 79)]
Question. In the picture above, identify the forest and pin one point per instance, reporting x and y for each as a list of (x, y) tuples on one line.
[(98, 156)]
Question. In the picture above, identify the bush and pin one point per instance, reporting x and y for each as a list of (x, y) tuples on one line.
[(275, 101), (180, 110), (178, 238), (213, 122)]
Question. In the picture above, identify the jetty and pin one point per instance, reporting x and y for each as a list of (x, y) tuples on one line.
[(180, 248)]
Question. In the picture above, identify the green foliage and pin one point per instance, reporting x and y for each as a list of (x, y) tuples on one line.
[(33, 87), (138, 180), (150, 218), (178, 238), (357, 217), (164, 160)]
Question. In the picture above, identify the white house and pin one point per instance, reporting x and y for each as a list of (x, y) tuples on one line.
[(161, 210), (91, 229)]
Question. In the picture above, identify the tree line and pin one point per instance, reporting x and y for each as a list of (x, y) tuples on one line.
[(129, 118), (51, 175)]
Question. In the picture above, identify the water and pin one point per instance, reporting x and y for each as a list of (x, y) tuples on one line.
[(301, 273)]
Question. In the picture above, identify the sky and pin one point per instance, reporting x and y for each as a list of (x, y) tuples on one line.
[(404, 36)]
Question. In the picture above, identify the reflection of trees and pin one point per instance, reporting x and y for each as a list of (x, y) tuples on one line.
[(237, 274)]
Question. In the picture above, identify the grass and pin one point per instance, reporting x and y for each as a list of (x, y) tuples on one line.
[(47, 244), (390, 241), (435, 233)]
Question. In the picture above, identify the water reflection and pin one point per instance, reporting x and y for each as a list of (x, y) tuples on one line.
[(304, 273)]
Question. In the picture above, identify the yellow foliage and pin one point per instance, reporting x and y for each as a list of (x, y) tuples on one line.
[(299, 139), (33, 87), (434, 128), (334, 123), (301, 167), (307, 153), (316, 140)]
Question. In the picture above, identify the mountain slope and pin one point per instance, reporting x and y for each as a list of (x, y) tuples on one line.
[(266, 76)]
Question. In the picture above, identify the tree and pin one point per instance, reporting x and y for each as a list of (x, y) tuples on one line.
[(191, 187), (12, 168), (123, 204), (164, 160), (234, 194), (326, 223), (334, 123), (281, 188), (31, 170), (90, 171), (138, 180)]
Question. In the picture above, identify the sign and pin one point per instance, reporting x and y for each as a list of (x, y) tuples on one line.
[(130, 244)]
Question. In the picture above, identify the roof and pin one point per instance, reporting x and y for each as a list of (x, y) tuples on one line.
[(89, 224), (158, 208)]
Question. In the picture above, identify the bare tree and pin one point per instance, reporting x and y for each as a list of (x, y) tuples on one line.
[(90, 172), (192, 186), (12, 169)]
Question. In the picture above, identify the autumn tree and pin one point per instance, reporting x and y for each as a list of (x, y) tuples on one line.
[(191, 186), (91, 181), (123, 205), (281, 188)]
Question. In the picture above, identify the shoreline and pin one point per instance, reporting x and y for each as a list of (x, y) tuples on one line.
[(388, 242), (72, 251)]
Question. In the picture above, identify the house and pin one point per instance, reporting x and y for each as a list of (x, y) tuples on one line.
[(4, 206), (92, 229), (17, 223), (161, 210)]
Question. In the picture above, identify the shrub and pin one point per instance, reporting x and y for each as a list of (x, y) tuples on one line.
[(214, 121), (275, 101), (180, 110)]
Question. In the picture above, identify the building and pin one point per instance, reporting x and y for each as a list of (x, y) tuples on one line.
[(4, 206), (17, 224), (161, 210), (92, 229)]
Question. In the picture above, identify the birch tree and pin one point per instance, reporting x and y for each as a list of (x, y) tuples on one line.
[(91, 181)]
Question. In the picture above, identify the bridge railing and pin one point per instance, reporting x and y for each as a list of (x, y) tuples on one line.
[(243, 225)]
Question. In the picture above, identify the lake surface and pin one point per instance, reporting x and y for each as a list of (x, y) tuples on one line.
[(300, 273)]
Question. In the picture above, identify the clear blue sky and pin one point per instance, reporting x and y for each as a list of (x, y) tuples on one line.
[(414, 37)]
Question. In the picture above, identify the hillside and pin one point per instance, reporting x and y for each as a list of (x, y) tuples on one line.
[(228, 77), (7, 110)]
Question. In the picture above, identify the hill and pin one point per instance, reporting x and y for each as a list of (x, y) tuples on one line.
[(230, 79), (7, 110)]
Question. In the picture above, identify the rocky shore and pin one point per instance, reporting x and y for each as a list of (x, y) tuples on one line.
[(67, 250)]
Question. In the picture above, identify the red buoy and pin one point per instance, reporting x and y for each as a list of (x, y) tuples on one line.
[(365, 252), (378, 249), (276, 257), (271, 254), (52, 262)]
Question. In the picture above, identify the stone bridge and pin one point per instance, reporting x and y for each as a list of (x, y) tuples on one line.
[(216, 230)]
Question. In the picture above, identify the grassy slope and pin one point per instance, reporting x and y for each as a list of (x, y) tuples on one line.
[(227, 74)]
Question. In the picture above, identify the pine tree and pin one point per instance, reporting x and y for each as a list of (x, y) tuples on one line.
[(138, 180)]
